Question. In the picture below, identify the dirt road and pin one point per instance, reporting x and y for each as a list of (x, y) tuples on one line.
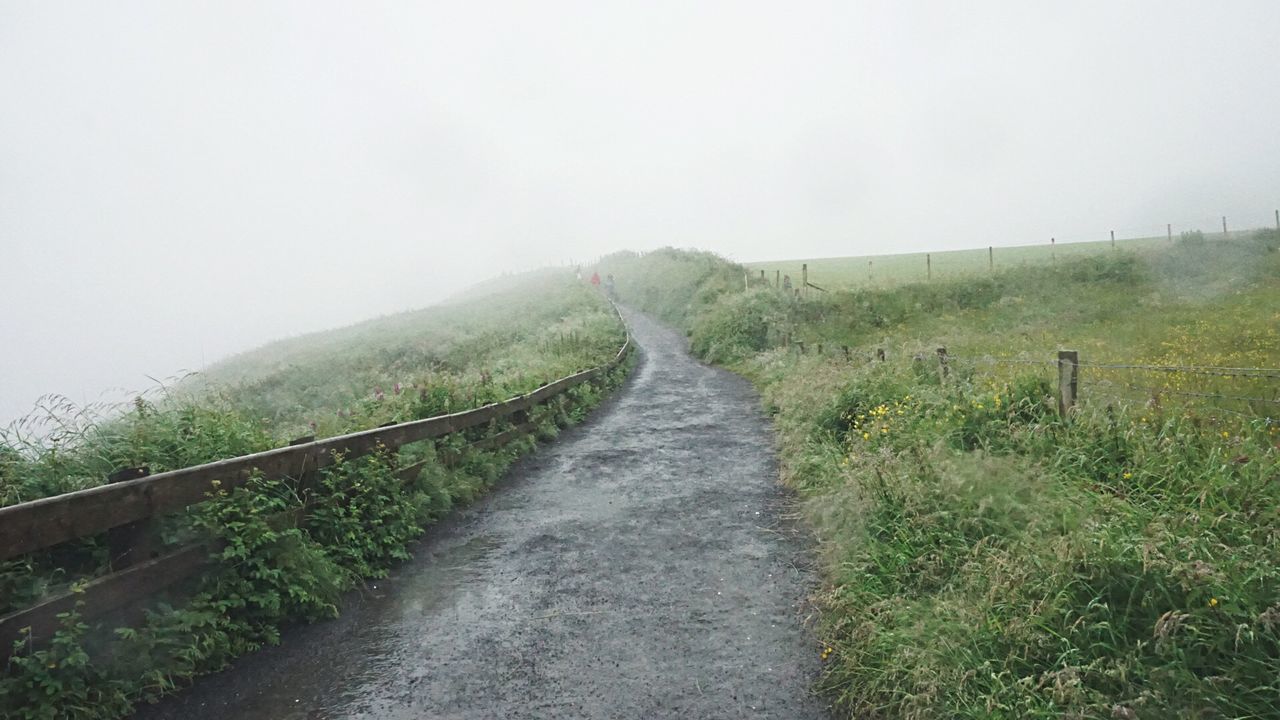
[(635, 568)]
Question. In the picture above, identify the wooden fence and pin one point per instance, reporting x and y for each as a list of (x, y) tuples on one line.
[(126, 507)]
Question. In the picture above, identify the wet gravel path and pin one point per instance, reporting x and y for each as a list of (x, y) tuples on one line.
[(637, 567)]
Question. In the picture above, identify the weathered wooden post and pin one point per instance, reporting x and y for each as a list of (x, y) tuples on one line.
[(1053, 250), (1168, 228), (869, 262), (1113, 239), (1068, 380), (928, 267), (944, 370), (804, 279), (129, 544), (991, 258), (777, 278), (1224, 226)]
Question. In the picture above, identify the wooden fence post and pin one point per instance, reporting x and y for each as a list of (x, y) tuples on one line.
[(869, 279), (1224, 225), (1113, 239), (928, 267), (804, 279), (944, 370), (777, 278), (991, 258), (1168, 228), (1053, 250), (129, 544), (1068, 380)]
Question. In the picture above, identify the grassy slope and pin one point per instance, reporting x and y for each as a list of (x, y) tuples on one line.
[(530, 330), (888, 270), (985, 558), (499, 341)]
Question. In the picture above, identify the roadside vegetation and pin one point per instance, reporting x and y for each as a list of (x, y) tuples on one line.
[(272, 565), (986, 558)]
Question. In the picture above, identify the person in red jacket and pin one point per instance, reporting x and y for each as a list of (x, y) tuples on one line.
[(595, 279)]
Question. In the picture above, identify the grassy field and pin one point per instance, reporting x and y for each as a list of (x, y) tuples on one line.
[(986, 558), (500, 340), (880, 271)]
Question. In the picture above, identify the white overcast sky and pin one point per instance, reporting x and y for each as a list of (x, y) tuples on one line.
[(181, 180)]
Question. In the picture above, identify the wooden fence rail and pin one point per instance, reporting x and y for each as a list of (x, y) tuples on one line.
[(132, 503)]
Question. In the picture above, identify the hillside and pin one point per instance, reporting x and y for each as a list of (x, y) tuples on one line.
[(985, 557), (444, 358), (279, 546), (883, 271), (498, 339)]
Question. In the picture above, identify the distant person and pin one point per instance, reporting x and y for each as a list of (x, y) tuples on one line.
[(608, 285), (595, 279)]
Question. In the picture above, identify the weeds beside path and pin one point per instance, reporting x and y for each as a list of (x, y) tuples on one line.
[(639, 567), (984, 557)]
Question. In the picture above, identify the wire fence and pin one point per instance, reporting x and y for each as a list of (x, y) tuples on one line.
[(1249, 392)]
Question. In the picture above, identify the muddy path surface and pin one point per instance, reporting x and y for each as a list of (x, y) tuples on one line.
[(640, 566)]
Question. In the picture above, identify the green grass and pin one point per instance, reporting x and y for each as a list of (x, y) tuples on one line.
[(883, 271), (985, 558), (271, 569)]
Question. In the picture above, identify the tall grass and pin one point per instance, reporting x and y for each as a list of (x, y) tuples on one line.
[(275, 564), (986, 558)]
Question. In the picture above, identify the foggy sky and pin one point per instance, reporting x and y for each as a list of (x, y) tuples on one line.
[(180, 181)]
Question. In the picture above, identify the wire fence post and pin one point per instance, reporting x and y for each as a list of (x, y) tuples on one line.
[(1053, 250), (928, 267), (944, 370), (1068, 380), (991, 258), (1113, 239), (1169, 231), (1224, 225), (804, 279)]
